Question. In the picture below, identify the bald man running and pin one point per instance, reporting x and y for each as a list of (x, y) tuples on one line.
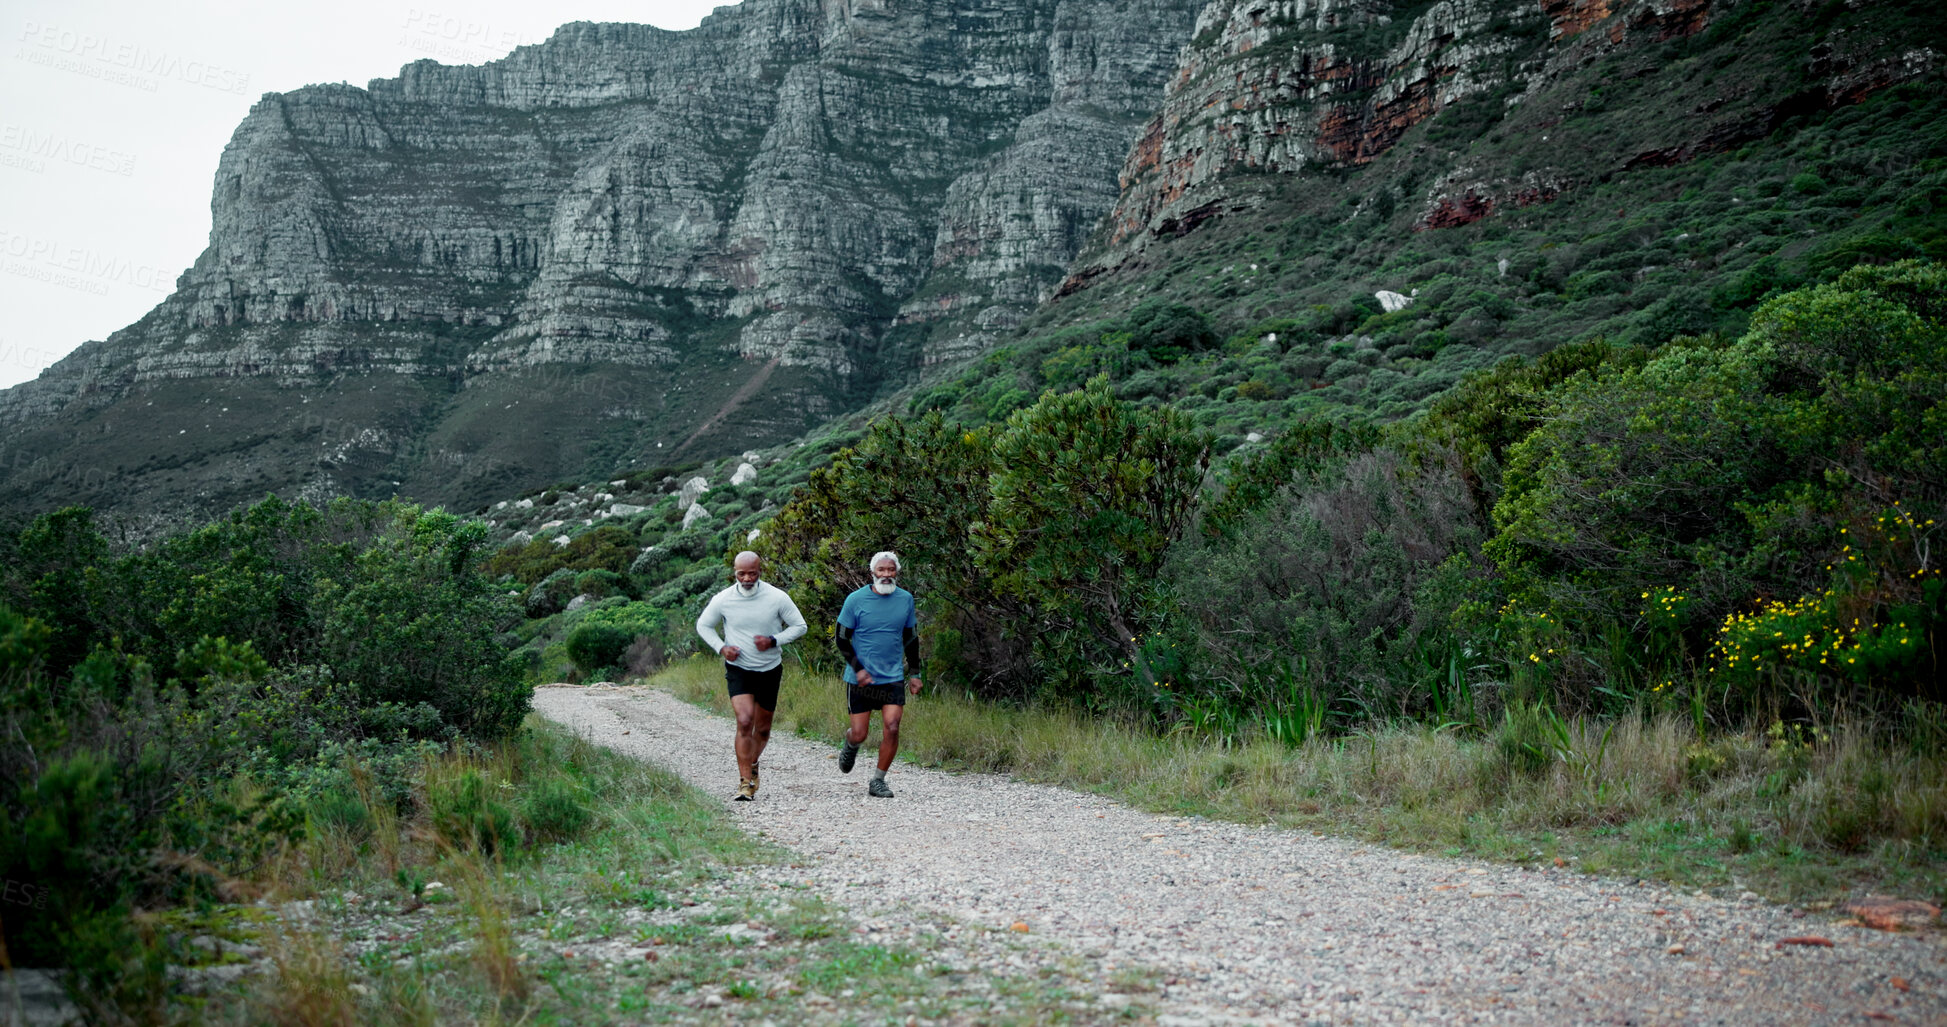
[(756, 618)]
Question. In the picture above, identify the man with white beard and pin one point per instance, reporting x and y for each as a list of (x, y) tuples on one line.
[(755, 618), (878, 636)]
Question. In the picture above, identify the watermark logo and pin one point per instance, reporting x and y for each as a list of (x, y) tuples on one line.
[(51, 262), (457, 39), (21, 893), (34, 150), (120, 61), (13, 354)]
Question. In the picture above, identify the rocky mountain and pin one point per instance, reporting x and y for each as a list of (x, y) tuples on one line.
[(1274, 89), (621, 246), (626, 250)]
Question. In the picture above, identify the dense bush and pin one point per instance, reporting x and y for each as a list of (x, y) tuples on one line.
[(610, 547), (1334, 598), (1793, 476), (169, 713), (1696, 523), (1035, 542), (606, 637)]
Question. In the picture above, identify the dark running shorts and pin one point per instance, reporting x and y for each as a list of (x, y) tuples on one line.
[(869, 698), (758, 684)]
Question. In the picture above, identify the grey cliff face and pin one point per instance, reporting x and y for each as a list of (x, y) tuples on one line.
[(1281, 85), (842, 189)]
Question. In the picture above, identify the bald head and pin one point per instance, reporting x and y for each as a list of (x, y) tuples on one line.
[(748, 567)]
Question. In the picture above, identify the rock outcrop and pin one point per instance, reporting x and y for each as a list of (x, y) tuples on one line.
[(604, 241), (1275, 88)]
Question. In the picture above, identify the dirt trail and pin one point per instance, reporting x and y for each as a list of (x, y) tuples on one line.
[(1254, 924), (737, 399)]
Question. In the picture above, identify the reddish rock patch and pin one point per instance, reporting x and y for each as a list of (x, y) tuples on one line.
[(1452, 213), (1573, 17), (1885, 913)]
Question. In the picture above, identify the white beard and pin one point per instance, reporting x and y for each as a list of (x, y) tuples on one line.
[(884, 588), (747, 592)]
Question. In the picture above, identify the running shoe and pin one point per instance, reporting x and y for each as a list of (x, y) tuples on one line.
[(747, 791), (878, 789), (848, 754)]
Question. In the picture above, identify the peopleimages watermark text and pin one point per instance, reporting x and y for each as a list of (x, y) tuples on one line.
[(70, 267), (20, 893), (65, 149), (121, 61)]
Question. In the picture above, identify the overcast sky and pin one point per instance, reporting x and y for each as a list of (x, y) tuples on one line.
[(113, 115)]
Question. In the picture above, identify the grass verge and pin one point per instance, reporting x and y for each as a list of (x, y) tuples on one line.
[(554, 882), (1803, 816)]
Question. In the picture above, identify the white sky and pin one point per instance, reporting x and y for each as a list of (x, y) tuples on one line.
[(113, 114)]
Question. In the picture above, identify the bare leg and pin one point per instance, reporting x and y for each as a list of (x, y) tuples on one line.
[(861, 726), (760, 730), (750, 744), (889, 734)]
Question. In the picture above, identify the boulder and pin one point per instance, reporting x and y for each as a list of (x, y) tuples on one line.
[(625, 509), (745, 474), (1390, 301), (696, 513), (691, 489)]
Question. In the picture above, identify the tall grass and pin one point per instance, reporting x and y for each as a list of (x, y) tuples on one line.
[(1795, 814), (536, 822)]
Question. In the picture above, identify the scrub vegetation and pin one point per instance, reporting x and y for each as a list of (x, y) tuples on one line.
[(1620, 545)]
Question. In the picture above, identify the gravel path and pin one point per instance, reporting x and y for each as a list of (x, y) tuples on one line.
[(1262, 925)]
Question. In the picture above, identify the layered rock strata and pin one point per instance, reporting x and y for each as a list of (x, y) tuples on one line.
[(1280, 87), (812, 195)]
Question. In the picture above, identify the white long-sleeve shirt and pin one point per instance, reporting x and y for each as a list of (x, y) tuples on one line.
[(768, 610)]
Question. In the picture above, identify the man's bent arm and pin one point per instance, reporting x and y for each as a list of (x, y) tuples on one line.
[(707, 623), (844, 640), (910, 639), (794, 625)]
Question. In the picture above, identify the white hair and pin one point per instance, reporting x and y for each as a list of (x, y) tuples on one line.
[(881, 556)]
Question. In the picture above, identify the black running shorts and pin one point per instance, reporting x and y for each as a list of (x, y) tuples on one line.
[(870, 698), (758, 684)]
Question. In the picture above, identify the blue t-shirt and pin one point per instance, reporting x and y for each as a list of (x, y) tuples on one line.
[(879, 626)]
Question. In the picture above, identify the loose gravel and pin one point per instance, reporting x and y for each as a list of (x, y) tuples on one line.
[(1262, 925)]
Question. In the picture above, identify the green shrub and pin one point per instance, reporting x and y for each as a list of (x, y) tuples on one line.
[(604, 639), (467, 814), (601, 584), (549, 595), (339, 810), (1353, 564), (555, 809), (1168, 332), (597, 648), (1748, 470), (407, 628)]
